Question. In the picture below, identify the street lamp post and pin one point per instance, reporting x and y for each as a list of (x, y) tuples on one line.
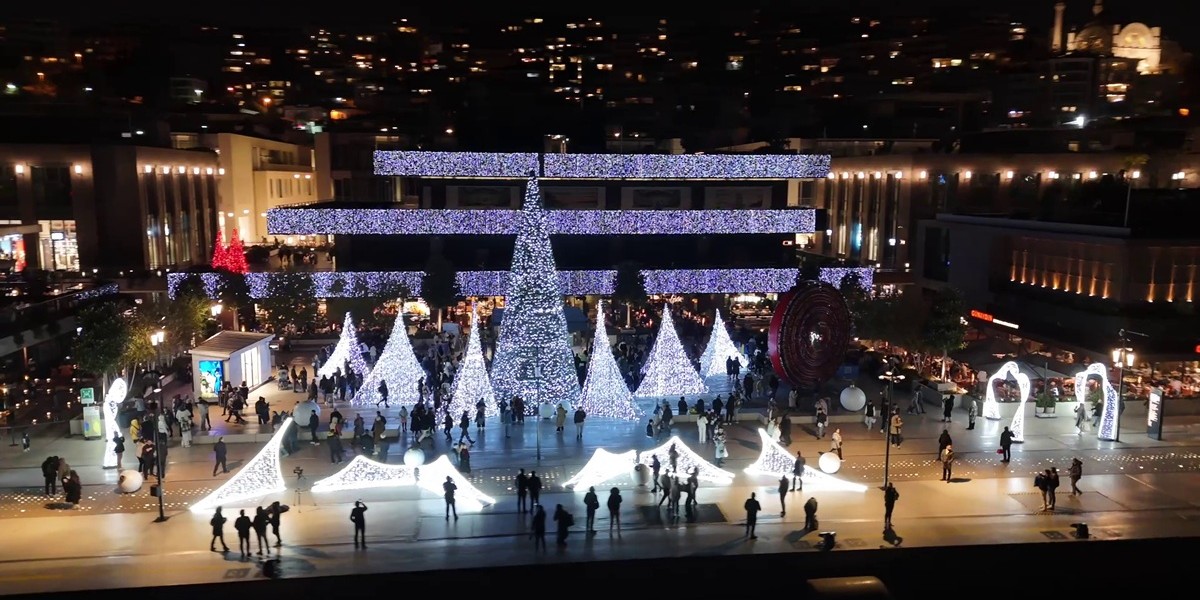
[(537, 374), (160, 456), (1122, 357), (891, 378)]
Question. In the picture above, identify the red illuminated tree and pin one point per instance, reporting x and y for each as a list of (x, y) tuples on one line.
[(235, 255), (218, 256)]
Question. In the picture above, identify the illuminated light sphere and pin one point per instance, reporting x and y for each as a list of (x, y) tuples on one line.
[(112, 404), (668, 371), (719, 349), (1108, 414), (433, 475), (472, 382), (363, 473), (604, 391), (829, 463), (603, 466), (398, 366), (414, 457), (991, 407), (262, 475), (853, 398), (304, 410), (534, 359), (129, 481), (775, 461), (688, 460), (347, 349)]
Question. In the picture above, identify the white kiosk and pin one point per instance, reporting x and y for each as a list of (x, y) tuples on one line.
[(233, 356)]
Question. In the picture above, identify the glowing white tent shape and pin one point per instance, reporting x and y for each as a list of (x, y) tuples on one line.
[(668, 371), (603, 466), (112, 401), (347, 349), (433, 475), (775, 461), (261, 476), (472, 382), (688, 460), (719, 349), (1108, 415), (991, 407), (398, 366), (363, 473)]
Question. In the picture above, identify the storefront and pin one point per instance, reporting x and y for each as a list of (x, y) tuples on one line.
[(12, 245), (231, 356)]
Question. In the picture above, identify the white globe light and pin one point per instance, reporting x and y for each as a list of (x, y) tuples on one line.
[(641, 475), (414, 457), (129, 481), (853, 399), (830, 463), (303, 411)]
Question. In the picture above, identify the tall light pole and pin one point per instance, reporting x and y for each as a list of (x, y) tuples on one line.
[(1135, 174), (891, 378), (160, 456), (1122, 356)]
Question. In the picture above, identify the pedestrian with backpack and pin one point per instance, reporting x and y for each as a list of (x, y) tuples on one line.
[(564, 521)]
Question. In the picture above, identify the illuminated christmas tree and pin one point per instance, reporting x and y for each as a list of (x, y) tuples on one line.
[(604, 392), (720, 348), (668, 370), (398, 366), (235, 255), (347, 348), (472, 382), (534, 343), (218, 256)]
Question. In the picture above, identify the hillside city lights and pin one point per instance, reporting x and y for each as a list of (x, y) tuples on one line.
[(602, 467), (472, 383), (398, 366), (775, 461), (668, 370), (261, 476), (687, 460), (347, 349), (1111, 406), (360, 284), (604, 391), (719, 349), (399, 221), (533, 357), (112, 405)]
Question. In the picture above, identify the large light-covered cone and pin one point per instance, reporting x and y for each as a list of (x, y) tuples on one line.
[(398, 366), (604, 391), (533, 358), (668, 371), (347, 348), (720, 348), (472, 382)]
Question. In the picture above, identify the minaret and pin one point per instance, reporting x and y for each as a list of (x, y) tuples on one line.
[(1056, 43)]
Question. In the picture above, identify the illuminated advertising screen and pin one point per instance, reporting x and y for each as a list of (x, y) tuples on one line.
[(212, 375)]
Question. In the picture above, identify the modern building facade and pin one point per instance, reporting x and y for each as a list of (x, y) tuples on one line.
[(82, 207)]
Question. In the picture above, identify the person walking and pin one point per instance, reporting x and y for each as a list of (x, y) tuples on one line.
[(1080, 417), (869, 416), (702, 427), (784, 485), (383, 394), (359, 518), (798, 472), (464, 426), (118, 447), (720, 452), (947, 408), (890, 496), (218, 531), (655, 468), (522, 483), (243, 525), (971, 414), (591, 503), (274, 517), (752, 507), (449, 488), (947, 459), (535, 488), (1042, 483), (1006, 442), (1075, 473), (943, 441), (894, 431), (810, 514), (220, 456), (560, 419), (563, 521), (579, 418), (1052, 488), (537, 529), (835, 444), (614, 510), (261, 520)]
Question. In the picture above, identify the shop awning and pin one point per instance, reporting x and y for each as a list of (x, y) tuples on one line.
[(227, 343)]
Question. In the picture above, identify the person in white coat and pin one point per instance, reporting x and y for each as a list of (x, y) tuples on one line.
[(702, 427)]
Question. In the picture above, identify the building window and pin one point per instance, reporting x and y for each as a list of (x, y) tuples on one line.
[(58, 248), (152, 241), (8, 186), (12, 252), (51, 186)]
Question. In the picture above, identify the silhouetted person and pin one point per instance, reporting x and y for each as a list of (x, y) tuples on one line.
[(535, 488), (810, 514), (784, 485), (890, 496), (243, 525), (537, 530), (614, 509), (448, 487), (220, 456), (360, 523), (218, 531), (261, 520), (591, 502), (563, 521), (522, 490), (752, 507), (1006, 442)]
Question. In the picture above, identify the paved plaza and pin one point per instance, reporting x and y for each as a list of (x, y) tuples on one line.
[(1136, 488)]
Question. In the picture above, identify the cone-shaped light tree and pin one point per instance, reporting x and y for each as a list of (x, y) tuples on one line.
[(398, 366), (472, 383), (218, 254), (347, 349), (720, 348), (534, 359), (604, 391), (235, 255), (668, 371)]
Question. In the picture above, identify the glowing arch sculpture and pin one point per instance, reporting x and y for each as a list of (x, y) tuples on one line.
[(603, 465), (991, 407), (688, 460), (1108, 416), (261, 476), (775, 461), (363, 473), (112, 402)]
